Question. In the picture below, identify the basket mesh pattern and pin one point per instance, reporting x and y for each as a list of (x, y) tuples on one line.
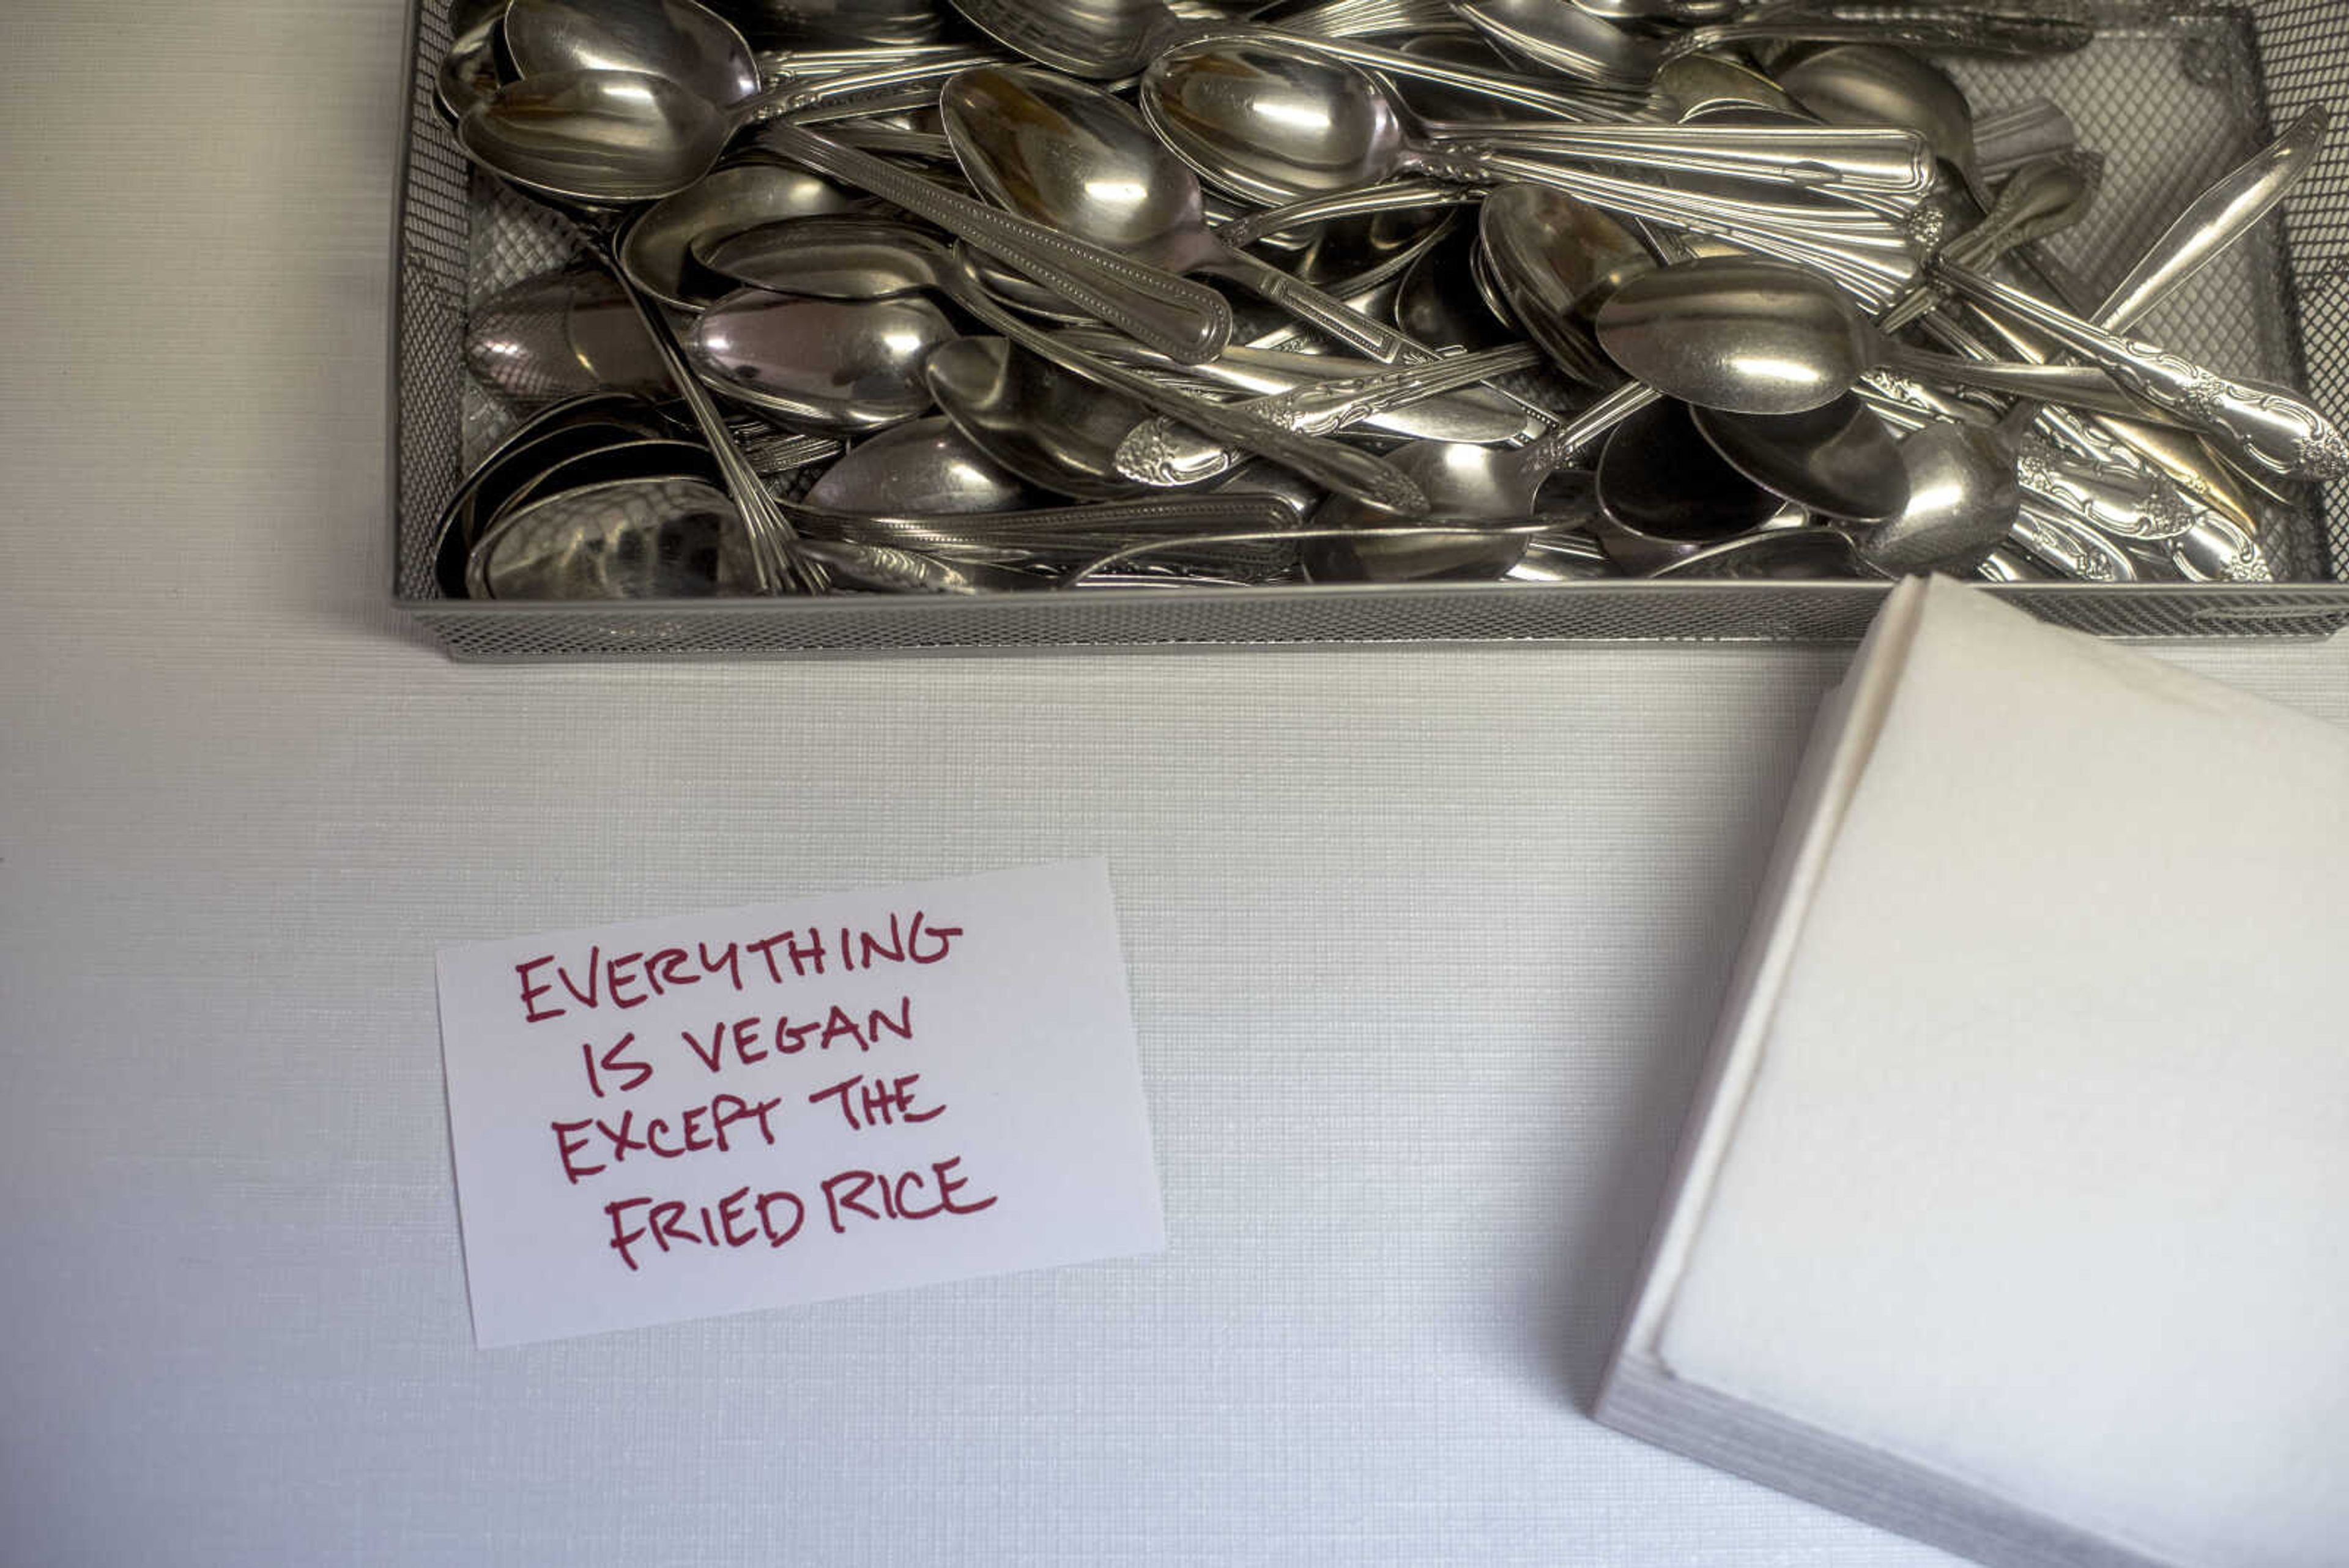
[(2174, 92)]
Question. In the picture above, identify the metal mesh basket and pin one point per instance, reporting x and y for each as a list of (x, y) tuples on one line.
[(2174, 91)]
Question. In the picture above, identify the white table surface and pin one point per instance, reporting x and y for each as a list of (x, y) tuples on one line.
[(1425, 945)]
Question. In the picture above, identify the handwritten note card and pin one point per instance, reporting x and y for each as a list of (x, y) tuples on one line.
[(678, 1117)]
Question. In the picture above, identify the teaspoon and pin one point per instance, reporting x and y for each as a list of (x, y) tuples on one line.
[(1075, 159), (1761, 337), (873, 257)]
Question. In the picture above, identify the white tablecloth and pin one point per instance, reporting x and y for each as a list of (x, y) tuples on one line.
[(1425, 944)]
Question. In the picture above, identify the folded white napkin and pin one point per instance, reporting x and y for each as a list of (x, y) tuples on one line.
[(2034, 1173)]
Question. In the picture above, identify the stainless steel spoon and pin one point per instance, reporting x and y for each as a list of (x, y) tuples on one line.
[(1963, 501), (1033, 418), (1075, 159), (1571, 40), (561, 335), (680, 40), (656, 246), (1273, 125), (875, 257), (924, 465), (617, 136), (1666, 491), (1761, 337), (1555, 259), (834, 366), (1838, 460)]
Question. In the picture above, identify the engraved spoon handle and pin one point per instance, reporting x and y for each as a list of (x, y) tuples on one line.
[(1332, 466), (1161, 453), (2270, 427), (1187, 321)]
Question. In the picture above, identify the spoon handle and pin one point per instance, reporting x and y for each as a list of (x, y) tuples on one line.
[(1170, 514), (775, 554), (1334, 467), (1316, 308), (1388, 196), (1873, 257), (1873, 160), (2273, 429), (1184, 320), (1588, 103), (2215, 220), (1163, 453), (1944, 27)]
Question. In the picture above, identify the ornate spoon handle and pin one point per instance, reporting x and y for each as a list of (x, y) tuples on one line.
[(1328, 463), (2270, 427), (1163, 453), (1184, 320)]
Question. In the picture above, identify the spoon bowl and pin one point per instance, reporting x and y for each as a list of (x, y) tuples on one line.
[(824, 365), (925, 466), (597, 137), (656, 248), (1838, 460), (1555, 261), (1053, 429), (677, 40)]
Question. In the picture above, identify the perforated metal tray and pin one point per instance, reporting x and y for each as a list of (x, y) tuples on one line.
[(2173, 92)]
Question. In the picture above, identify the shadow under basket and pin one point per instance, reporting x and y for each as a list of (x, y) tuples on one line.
[(2173, 93)]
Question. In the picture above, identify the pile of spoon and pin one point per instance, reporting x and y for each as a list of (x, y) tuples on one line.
[(1036, 295)]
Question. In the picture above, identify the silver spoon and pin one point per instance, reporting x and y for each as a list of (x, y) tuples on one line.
[(1431, 306), (616, 137), (656, 246), (1273, 125), (924, 465), (1666, 491), (638, 538), (1555, 259), (875, 257), (1571, 40), (1075, 159), (1279, 122), (684, 42), (1963, 501), (1838, 460), (1761, 337), (1034, 420), (840, 366), (561, 335), (2272, 428)]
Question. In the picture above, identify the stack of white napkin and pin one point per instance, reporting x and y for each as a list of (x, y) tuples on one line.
[(2016, 1214)]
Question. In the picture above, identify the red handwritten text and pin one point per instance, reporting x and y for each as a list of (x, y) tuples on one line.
[(629, 980), (701, 1128)]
